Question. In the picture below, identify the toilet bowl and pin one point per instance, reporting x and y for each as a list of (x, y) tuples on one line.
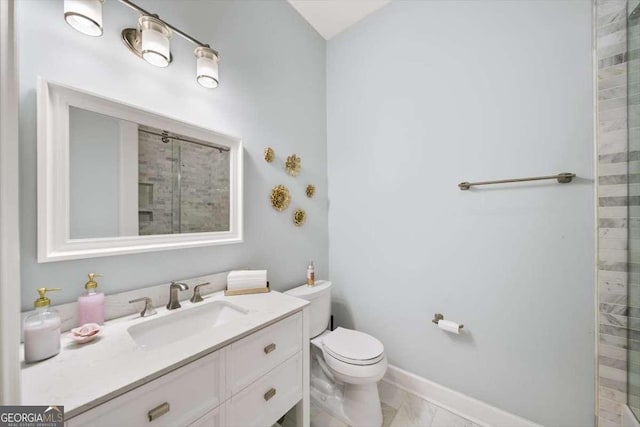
[(345, 364)]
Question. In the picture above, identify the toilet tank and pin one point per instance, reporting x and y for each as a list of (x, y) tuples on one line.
[(319, 297)]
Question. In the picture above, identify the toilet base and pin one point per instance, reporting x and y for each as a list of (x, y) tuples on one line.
[(357, 405), (362, 405)]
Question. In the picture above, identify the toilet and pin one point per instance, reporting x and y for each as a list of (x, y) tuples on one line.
[(345, 364)]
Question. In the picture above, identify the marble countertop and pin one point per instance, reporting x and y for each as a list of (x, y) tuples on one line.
[(83, 376)]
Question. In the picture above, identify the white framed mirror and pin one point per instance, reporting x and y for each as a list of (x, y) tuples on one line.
[(116, 179)]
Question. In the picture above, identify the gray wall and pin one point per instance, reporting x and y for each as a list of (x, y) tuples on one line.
[(94, 167), (421, 96), (272, 93)]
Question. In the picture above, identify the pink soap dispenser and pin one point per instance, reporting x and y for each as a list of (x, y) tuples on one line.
[(91, 304)]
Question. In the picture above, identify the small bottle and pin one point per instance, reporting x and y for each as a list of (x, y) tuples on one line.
[(311, 274), (91, 304), (42, 330)]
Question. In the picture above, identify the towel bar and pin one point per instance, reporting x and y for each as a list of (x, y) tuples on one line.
[(563, 178)]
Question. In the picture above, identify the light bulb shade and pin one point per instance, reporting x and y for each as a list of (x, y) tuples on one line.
[(207, 67), (155, 46), (84, 16)]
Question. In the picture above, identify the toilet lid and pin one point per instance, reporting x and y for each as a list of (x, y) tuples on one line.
[(353, 347)]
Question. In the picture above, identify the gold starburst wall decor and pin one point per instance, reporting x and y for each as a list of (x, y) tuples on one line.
[(280, 198), (293, 164), (311, 190), (269, 154), (299, 217)]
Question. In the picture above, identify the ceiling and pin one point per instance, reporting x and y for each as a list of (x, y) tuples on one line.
[(330, 17)]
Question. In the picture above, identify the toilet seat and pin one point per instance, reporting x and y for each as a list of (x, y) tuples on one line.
[(353, 347)]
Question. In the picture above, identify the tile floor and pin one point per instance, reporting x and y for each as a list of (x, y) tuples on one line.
[(399, 409), (403, 409)]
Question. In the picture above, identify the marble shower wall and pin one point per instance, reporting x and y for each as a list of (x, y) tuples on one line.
[(613, 219), (197, 202), (633, 129), (155, 176)]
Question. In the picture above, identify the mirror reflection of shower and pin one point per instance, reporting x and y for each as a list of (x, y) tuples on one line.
[(183, 184)]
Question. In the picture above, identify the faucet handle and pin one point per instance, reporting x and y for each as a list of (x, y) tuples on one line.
[(148, 309), (196, 292)]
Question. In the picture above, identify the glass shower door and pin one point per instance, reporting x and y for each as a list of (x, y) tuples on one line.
[(633, 182)]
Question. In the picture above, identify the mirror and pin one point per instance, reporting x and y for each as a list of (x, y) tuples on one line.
[(147, 181), (116, 179)]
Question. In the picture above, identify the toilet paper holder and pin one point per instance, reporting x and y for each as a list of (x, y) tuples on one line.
[(438, 317)]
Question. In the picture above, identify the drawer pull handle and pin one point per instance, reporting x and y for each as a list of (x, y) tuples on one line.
[(268, 395), (268, 349), (158, 411)]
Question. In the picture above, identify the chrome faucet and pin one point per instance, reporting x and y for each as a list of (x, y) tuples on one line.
[(173, 294)]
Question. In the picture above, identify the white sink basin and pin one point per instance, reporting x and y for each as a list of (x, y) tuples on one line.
[(184, 323)]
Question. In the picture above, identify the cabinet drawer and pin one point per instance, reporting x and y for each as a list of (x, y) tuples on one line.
[(215, 418), (257, 354), (266, 400), (187, 393)]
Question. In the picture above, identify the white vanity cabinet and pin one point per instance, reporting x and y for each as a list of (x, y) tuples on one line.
[(269, 398), (264, 374), (175, 399), (215, 418), (250, 382), (260, 352)]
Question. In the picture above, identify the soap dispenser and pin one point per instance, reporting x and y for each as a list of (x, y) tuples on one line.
[(91, 304), (42, 330)]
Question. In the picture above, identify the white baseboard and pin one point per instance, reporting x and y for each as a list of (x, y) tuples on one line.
[(460, 404), (628, 419)]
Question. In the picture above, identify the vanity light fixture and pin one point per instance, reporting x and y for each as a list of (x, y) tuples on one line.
[(154, 45), (207, 67), (84, 16), (150, 40)]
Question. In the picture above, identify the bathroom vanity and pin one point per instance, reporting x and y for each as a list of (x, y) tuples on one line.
[(226, 361)]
